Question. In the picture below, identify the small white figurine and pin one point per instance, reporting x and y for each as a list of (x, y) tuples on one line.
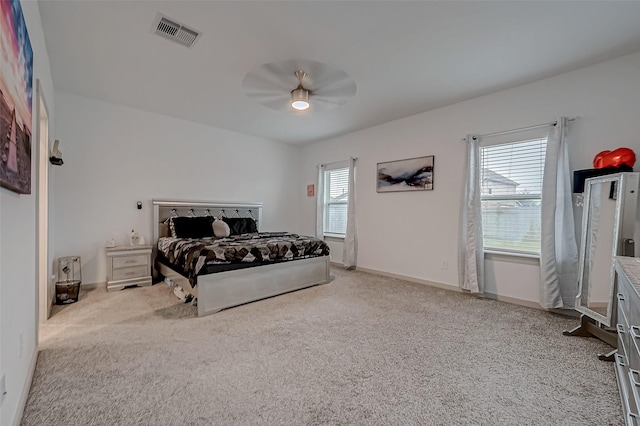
[(134, 238)]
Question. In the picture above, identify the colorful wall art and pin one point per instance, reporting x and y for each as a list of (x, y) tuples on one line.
[(16, 90)]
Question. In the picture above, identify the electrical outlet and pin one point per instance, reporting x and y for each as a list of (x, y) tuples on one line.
[(445, 264), (21, 344), (3, 389)]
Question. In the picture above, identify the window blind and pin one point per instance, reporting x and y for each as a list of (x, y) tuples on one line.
[(511, 192), (336, 200)]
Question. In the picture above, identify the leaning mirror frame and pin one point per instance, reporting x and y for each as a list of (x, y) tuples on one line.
[(625, 195)]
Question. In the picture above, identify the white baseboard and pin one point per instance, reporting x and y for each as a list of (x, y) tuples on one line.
[(506, 299), (91, 286), (411, 279), (529, 304), (26, 386), (514, 301)]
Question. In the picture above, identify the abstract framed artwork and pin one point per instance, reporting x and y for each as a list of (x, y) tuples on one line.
[(412, 174), (16, 91)]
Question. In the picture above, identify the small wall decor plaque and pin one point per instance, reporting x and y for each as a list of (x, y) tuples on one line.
[(412, 174)]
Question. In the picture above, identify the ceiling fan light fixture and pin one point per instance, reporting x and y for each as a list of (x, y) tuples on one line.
[(272, 85), (300, 99)]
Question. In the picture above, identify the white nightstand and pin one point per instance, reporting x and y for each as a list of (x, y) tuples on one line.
[(127, 266)]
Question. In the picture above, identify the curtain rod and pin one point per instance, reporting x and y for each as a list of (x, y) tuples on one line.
[(337, 162), (522, 129)]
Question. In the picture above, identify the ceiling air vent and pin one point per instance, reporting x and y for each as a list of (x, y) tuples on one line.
[(175, 31)]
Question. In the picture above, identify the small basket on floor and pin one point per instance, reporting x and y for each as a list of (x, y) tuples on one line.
[(67, 292), (69, 280)]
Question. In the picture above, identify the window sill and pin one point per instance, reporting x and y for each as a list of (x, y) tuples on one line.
[(512, 256), (334, 237), (513, 253)]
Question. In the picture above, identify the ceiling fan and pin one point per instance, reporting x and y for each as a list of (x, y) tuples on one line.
[(298, 85)]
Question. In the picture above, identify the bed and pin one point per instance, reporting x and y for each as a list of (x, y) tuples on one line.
[(219, 280)]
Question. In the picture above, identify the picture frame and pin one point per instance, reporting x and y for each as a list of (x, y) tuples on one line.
[(411, 174), (16, 92)]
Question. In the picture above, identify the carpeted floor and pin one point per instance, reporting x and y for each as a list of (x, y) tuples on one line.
[(362, 349)]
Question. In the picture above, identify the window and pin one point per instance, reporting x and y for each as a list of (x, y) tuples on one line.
[(336, 201), (511, 193)]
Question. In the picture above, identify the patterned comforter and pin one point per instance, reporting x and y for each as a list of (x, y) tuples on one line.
[(192, 254)]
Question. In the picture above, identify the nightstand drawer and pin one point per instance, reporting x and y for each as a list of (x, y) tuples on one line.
[(128, 261), (130, 272)]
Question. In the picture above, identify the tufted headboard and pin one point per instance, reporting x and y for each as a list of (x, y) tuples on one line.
[(164, 209)]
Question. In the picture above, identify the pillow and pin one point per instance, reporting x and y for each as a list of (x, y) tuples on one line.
[(172, 228), (164, 230), (220, 228), (241, 225), (192, 227)]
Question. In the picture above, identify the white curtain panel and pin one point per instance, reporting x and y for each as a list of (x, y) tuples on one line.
[(471, 248), (558, 251), (320, 203), (350, 247)]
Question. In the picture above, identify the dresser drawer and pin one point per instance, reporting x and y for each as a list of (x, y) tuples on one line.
[(622, 374), (623, 307), (128, 261), (634, 390), (623, 340), (633, 420), (633, 353), (630, 301), (130, 272)]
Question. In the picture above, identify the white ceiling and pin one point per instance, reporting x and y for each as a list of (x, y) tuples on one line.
[(405, 57)]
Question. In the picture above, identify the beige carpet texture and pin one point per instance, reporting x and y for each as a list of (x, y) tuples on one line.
[(362, 349)]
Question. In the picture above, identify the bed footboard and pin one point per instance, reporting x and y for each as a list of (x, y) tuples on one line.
[(232, 288)]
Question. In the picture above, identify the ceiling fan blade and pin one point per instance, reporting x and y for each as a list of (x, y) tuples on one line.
[(257, 82), (328, 79), (343, 88), (278, 104), (322, 106), (333, 95), (328, 103), (271, 97)]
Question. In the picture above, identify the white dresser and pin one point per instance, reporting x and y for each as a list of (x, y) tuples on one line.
[(128, 266), (628, 357)]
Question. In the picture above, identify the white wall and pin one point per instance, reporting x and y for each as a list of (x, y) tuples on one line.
[(413, 233), (115, 156), (18, 287)]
